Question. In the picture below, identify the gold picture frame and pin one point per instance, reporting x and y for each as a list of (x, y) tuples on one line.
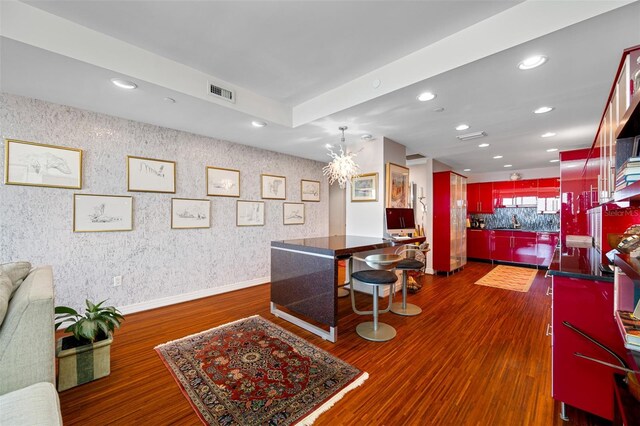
[(222, 182), (249, 213), (273, 187), (102, 213), (310, 190), (36, 164), (293, 213), (190, 213), (149, 175), (397, 191), (364, 188)]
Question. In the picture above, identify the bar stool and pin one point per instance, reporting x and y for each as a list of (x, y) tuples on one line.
[(379, 276), (405, 265), (348, 266)]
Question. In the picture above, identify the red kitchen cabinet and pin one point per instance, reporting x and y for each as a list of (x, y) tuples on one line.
[(501, 246), (478, 244), (503, 194), (573, 215), (545, 244), (526, 192), (480, 197), (523, 247), (548, 195)]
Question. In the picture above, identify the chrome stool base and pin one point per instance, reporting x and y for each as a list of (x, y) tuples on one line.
[(409, 310), (382, 334)]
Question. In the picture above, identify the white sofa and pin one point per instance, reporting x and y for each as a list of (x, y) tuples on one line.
[(27, 355)]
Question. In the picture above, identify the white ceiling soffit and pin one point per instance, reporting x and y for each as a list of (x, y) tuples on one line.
[(518, 24)]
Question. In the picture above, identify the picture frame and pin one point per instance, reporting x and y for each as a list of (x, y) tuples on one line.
[(102, 213), (36, 164), (364, 187), (151, 175), (397, 195), (249, 213), (293, 213), (190, 213), (309, 190), (273, 187), (223, 182)]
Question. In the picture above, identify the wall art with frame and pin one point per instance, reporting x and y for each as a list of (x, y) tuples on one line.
[(309, 190), (249, 213), (293, 213), (364, 187), (397, 186), (188, 213), (150, 175), (102, 213), (273, 187), (35, 164), (223, 182)]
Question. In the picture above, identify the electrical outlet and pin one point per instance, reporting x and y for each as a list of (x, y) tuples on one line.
[(117, 281)]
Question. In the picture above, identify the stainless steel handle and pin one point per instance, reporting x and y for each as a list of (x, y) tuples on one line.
[(549, 330), (549, 291), (480, 206)]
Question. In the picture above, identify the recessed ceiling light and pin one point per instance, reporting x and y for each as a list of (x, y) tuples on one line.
[(554, 161), (547, 135), (483, 145), (426, 96), (169, 100), (543, 110), (124, 84), (508, 165), (258, 123), (497, 157), (552, 149), (462, 127), (466, 170), (532, 62), (366, 137)]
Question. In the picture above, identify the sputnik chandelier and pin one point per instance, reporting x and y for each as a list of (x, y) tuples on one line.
[(341, 168)]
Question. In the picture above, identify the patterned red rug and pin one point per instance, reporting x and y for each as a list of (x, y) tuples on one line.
[(253, 372)]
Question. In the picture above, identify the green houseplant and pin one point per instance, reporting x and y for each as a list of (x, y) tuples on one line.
[(86, 354)]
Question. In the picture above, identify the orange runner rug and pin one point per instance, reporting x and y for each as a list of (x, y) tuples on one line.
[(509, 278)]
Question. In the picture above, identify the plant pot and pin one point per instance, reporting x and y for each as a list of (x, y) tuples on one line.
[(82, 364)]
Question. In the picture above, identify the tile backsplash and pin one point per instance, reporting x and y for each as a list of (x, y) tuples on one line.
[(528, 217)]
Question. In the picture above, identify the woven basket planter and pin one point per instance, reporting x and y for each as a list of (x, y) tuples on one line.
[(83, 364)]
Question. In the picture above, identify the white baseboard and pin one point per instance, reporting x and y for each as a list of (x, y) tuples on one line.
[(429, 271), (179, 298)]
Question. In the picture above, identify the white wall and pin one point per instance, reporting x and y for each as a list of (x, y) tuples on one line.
[(421, 173), (158, 264), (337, 210)]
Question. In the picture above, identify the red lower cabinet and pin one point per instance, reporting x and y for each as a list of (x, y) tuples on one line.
[(501, 246), (546, 243), (524, 248), (478, 244), (578, 382)]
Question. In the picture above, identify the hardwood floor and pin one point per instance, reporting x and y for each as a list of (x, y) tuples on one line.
[(475, 356)]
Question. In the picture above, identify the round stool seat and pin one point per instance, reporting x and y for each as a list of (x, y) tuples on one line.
[(375, 277), (409, 264)]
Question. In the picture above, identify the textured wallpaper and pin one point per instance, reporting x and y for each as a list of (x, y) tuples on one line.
[(154, 260)]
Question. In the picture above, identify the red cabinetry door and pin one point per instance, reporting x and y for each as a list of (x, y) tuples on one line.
[(546, 242), (526, 192), (587, 305), (523, 245), (503, 194), (478, 246), (473, 203), (501, 246), (548, 195), (485, 197)]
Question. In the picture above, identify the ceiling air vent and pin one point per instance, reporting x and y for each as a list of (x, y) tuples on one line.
[(415, 156), (470, 136), (221, 92)]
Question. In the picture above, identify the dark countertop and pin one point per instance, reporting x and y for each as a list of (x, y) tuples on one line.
[(546, 231), (340, 245), (578, 262)]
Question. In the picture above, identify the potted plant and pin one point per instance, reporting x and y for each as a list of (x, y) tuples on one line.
[(86, 354)]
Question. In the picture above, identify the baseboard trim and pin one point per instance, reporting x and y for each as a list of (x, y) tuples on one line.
[(179, 298)]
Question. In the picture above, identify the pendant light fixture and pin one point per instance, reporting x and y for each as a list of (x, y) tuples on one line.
[(342, 167)]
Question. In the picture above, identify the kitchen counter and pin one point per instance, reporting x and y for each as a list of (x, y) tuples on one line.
[(578, 262)]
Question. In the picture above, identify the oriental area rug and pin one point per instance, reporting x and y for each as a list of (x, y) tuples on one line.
[(509, 278), (253, 372)]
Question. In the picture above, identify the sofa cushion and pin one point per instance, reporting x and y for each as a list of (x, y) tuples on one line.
[(6, 288), (16, 271), (37, 404)]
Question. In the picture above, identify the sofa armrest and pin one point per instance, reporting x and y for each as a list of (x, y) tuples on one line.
[(27, 337)]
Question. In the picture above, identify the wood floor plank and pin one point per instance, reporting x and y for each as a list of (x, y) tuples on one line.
[(475, 356)]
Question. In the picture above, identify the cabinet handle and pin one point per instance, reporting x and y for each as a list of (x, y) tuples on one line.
[(549, 330), (480, 206), (549, 291)]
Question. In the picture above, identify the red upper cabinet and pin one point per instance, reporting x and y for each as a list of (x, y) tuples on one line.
[(526, 192), (503, 194), (480, 197), (548, 195)]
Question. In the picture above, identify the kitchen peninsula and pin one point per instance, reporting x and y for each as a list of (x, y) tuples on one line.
[(304, 277)]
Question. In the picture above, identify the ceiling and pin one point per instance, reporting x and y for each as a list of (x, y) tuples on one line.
[(308, 67)]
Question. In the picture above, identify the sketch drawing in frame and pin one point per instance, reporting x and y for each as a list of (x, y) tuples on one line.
[(273, 187), (223, 182), (188, 213), (293, 213), (250, 213), (309, 190), (35, 164), (102, 213), (364, 187), (397, 186), (150, 175)]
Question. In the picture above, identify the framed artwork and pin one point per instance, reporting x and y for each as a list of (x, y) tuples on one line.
[(250, 213), (34, 164), (397, 186), (150, 175), (223, 182), (309, 190), (273, 187), (293, 213), (102, 213), (364, 187), (187, 213)]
